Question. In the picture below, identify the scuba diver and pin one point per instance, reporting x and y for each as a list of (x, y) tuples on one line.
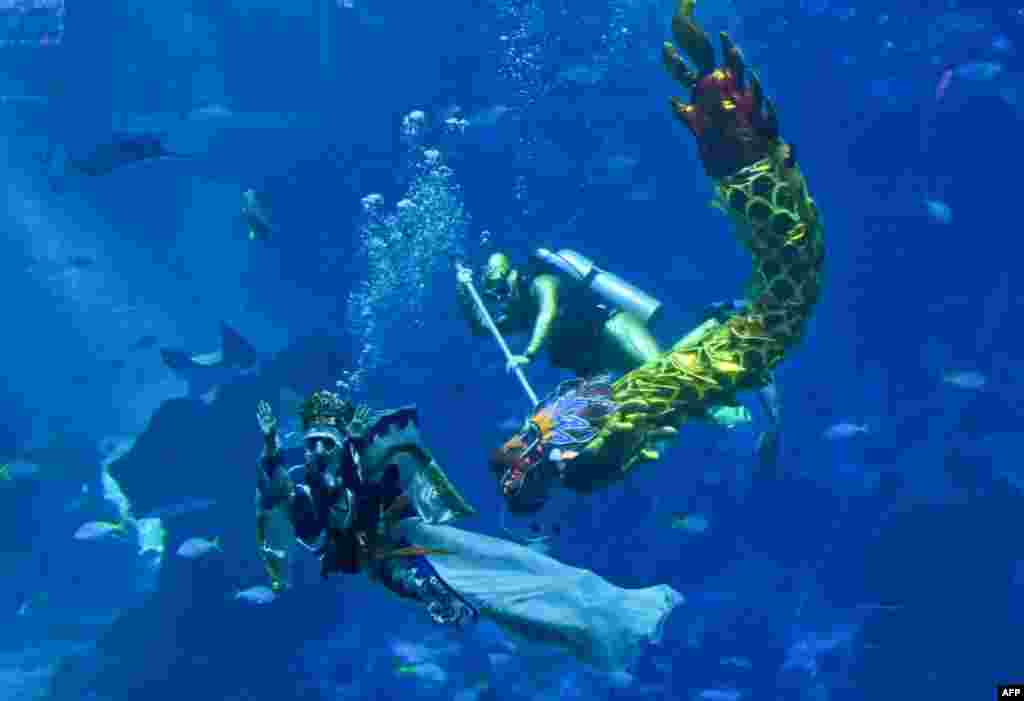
[(562, 298), (591, 432), (370, 498), (589, 320)]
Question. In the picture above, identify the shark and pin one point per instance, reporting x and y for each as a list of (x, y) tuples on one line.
[(207, 372)]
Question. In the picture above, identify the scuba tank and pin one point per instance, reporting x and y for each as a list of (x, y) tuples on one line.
[(607, 286)]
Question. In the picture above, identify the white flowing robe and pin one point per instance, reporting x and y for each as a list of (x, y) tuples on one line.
[(541, 599)]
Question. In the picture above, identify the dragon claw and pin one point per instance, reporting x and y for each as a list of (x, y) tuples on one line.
[(692, 38), (733, 59), (677, 67)]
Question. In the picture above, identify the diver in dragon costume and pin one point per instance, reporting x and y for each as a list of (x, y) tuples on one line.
[(370, 498), (591, 433), (589, 320)]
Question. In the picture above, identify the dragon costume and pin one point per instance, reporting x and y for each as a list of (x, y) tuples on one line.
[(760, 187)]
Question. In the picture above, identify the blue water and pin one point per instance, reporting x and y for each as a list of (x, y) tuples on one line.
[(881, 565)]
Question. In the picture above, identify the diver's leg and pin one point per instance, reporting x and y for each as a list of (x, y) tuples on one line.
[(768, 441), (629, 340), (416, 579)]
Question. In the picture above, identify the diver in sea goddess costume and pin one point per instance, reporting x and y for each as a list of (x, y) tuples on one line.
[(369, 497), (591, 432)]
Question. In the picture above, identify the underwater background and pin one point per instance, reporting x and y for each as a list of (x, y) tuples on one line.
[(386, 139)]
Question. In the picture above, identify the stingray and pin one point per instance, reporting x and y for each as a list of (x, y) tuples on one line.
[(207, 372), (124, 149)]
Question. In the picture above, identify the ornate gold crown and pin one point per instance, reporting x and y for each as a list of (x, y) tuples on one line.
[(326, 408)]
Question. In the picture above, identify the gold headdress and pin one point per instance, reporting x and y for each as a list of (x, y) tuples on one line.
[(326, 409)]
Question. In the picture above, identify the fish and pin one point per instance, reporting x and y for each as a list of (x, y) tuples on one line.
[(979, 71), (187, 506), (258, 595), (100, 530), (205, 372), (123, 149), (738, 662), (423, 671), (844, 429), (943, 84), (719, 695), (81, 261), (194, 548), (938, 211), (145, 342), (479, 691), (691, 523), (965, 379), (28, 604), (255, 216), (19, 470)]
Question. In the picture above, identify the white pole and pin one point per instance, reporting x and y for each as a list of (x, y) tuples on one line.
[(465, 276)]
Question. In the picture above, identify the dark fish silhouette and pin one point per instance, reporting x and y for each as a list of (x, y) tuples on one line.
[(145, 342), (122, 150), (206, 372)]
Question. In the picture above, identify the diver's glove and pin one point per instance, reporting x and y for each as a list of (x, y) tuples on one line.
[(517, 361), (268, 426), (464, 278), (272, 480)]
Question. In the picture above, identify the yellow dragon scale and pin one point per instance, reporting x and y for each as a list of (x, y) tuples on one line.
[(778, 222)]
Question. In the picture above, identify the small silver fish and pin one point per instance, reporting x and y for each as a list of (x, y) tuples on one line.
[(19, 470), (429, 672), (939, 211), (738, 662), (188, 506), (691, 523), (719, 695), (844, 429), (194, 548), (966, 379), (258, 595), (99, 530)]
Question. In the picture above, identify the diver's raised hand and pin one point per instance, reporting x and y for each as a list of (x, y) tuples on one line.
[(463, 274), (266, 419), (268, 426)]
